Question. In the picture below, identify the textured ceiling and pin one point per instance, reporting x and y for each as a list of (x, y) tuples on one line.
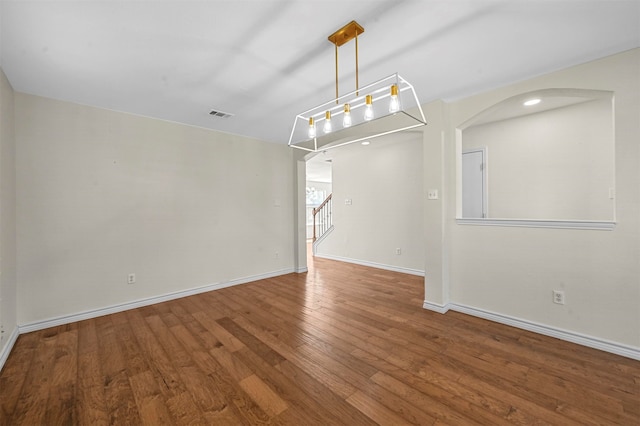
[(265, 61)]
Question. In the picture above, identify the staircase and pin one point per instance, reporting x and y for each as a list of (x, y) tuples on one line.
[(322, 221)]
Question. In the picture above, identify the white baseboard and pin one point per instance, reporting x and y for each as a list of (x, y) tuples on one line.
[(302, 270), (66, 319), (373, 264), (569, 336), (4, 352), (441, 309)]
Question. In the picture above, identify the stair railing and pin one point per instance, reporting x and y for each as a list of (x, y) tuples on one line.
[(322, 218)]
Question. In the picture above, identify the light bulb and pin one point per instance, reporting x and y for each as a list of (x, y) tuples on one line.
[(312, 128), (368, 111), (346, 119), (394, 102), (327, 122)]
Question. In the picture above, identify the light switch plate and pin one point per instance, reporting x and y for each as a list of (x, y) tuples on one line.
[(432, 194)]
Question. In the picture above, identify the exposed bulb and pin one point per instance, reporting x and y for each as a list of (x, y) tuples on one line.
[(327, 122), (312, 128), (346, 118), (368, 110), (394, 103)]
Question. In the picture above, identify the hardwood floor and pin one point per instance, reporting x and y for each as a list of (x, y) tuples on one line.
[(342, 344)]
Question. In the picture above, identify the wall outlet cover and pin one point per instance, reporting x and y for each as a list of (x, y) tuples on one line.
[(558, 297)]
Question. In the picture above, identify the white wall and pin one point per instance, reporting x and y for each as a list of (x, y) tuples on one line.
[(102, 194), (512, 271), (384, 182), (556, 164), (436, 238), (8, 281)]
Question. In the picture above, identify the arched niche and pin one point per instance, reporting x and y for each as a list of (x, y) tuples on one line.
[(543, 158)]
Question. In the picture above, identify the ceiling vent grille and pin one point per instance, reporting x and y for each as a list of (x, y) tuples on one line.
[(220, 114)]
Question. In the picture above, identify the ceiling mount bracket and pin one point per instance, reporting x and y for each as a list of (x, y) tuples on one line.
[(346, 33)]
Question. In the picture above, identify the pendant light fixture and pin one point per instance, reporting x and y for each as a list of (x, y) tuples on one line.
[(368, 108), (327, 127), (312, 128), (394, 102), (346, 120), (386, 106)]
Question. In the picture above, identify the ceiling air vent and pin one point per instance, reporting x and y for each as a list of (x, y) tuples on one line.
[(220, 114)]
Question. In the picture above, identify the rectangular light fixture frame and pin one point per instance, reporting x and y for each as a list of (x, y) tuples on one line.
[(409, 116)]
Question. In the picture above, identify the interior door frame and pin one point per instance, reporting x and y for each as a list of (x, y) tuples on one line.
[(485, 177)]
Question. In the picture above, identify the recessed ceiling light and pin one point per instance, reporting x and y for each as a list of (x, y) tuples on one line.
[(531, 102), (366, 143)]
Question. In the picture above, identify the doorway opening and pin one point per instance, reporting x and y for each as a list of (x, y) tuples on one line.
[(318, 190)]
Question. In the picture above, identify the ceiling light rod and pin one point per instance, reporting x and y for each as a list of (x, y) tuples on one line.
[(343, 35)]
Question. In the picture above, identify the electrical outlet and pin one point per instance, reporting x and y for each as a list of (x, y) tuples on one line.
[(558, 297), (277, 255), (398, 251), (131, 279)]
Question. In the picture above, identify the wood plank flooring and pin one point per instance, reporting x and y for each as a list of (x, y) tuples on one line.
[(340, 345)]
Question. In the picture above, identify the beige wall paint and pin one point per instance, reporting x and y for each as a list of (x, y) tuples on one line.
[(384, 183), (8, 277), (436, 239), (512, 271), (103, 194), (300, 220)]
